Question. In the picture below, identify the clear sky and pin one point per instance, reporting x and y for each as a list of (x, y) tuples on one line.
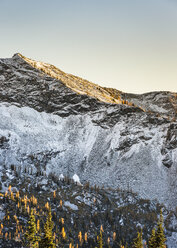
[(130, 45)]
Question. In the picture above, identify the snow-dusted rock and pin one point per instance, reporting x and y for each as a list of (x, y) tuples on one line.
[(47, 126)]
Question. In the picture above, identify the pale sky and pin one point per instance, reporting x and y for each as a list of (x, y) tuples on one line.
[(130, 45)]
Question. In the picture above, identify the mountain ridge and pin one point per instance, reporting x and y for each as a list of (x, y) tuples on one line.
[(47, 126), (105, 94), (81, 86)]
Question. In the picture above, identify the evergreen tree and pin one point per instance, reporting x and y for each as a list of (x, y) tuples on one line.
[(157, 239), (152, 240), (100, 240), (47, 240), (160, 236), (31, 233), (138, 241)]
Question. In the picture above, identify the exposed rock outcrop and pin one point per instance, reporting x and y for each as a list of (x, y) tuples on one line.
[(59, 123)]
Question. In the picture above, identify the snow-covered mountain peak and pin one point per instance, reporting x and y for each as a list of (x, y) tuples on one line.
[(48, 126), (55, 125)]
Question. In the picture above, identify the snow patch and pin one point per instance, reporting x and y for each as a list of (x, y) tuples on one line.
[(61, 177), (70, 205), (76, 179)]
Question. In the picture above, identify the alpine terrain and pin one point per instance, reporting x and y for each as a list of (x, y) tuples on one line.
[(55, 125)]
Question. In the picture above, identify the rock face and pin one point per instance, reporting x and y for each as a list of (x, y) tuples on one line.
[(49, 123)]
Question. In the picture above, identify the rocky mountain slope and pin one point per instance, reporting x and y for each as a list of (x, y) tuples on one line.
[(58, 123)]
